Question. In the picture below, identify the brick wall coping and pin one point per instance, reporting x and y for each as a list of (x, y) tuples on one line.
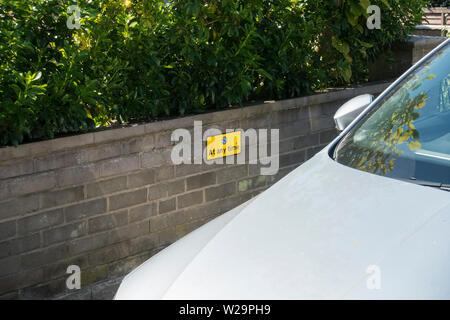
[(425, 41), (432, 27)]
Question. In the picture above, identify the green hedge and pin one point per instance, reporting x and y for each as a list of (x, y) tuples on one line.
[(143, 60)]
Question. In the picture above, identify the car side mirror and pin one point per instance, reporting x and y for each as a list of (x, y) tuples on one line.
[(351, 109)]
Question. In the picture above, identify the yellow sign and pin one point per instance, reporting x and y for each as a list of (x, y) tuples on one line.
[(223, 145)]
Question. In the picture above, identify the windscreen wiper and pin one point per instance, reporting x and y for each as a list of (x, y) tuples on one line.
[(439, 185)]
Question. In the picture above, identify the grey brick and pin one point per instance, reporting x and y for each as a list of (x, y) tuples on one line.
[(231, 173), (142, 178), (189, 169), (123, 267), (7, 229), (44, 256), (164, 140), (145, 243), (102, 152), (157, 191), (158, 223), (175, 187), (184, 229), (5, 249), (86, 209), (95, 241), (257, 122), (251, 183), (250, 142), (306, 141), (9, 265), (61, 197), (142, 212), (165, 173), (131, 146), (120, 165), (20, 245), (330, 107), (15, 169), (223, 125), (109, 253), (167, 236), (94, 274), (40, 221), (167, 205), (67, 232), (45, 290), (59, 269), (290, 115), (107, 222), (294, 129), (163, 190), (227, 204), (5, 191), (254, 169), (148, 142), (292, 158), (155, 158), (202, 211), (127, 199), (130, 231), (177, 217), (220, 192), (77, 175), (27, 184), (328, 136), (201, 180), (57, 160), (138, 229), (286, 145), (190, 199), (320, 120), (106, 186), (20, 280), (19, 206)]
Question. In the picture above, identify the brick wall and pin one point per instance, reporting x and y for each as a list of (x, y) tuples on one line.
[(404, 55), (107, 201)]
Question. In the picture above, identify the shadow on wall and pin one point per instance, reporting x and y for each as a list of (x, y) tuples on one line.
[(404, 55)]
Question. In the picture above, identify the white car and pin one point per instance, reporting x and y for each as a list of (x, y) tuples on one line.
[(368, 217)]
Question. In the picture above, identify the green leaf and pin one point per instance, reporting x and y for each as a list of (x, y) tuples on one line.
[(265, 74), (340, 46), (345, 70), (365, 4), (386, 3)]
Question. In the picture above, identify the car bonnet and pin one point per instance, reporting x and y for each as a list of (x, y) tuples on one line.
[(312, 235)]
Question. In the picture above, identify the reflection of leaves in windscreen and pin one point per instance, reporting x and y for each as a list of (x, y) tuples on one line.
[(444, 103), (375, 144)]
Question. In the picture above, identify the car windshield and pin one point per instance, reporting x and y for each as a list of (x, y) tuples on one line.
[(407, 136)]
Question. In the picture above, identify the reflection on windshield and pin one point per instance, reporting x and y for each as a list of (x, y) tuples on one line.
[(445, 96), (408, 135)]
